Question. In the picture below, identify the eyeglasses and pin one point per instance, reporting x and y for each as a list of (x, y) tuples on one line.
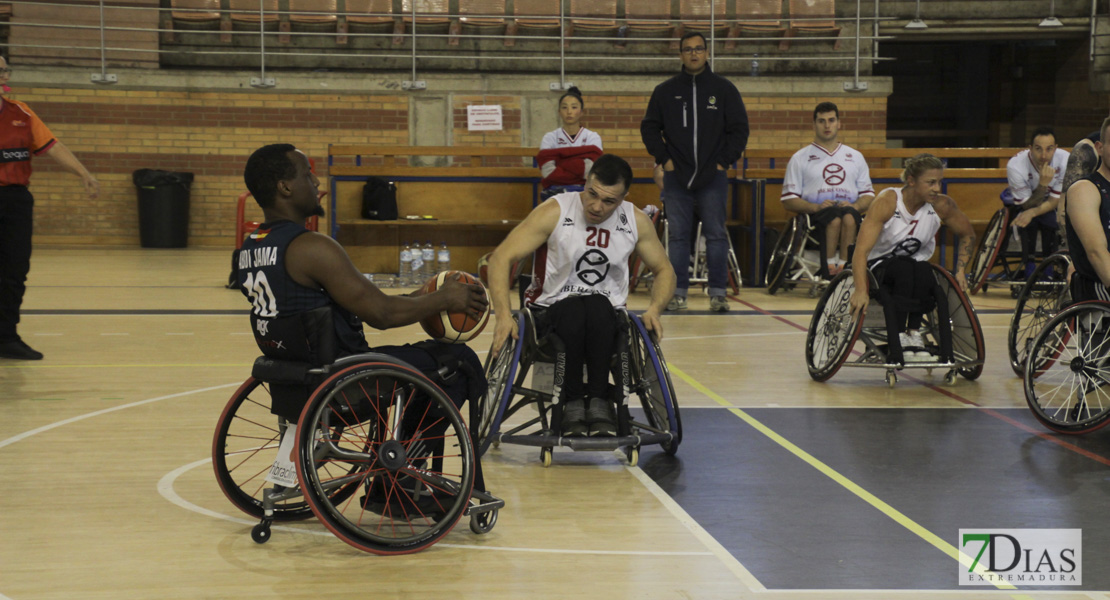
[(694, 50)]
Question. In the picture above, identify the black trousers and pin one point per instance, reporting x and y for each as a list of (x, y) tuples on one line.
[(16, 222), (587, 325)]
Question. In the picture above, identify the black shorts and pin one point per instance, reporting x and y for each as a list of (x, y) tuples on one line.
[(825, 216)]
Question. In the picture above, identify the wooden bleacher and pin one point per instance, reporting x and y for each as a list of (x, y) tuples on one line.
[(477, 195)]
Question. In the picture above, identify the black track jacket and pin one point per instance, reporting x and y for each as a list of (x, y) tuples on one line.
[(698, 121)]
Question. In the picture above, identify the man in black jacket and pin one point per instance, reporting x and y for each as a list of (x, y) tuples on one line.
[(696, 127)]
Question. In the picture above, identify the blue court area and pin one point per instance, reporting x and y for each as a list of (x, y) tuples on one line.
[(793, 526)]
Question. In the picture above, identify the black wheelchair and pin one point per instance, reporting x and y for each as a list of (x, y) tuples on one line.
[(950, 329), (1044, 295), (638, 369), (796, 259), (368, 444), (998, 258), (1067, 372)]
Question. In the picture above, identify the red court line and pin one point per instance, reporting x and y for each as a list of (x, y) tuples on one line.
[(989, 411)]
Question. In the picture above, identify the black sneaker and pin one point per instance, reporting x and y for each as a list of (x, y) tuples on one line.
[(574, 419), (18, 350), (600, 416)]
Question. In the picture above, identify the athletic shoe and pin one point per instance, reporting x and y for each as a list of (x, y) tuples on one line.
[(18, 350), (913, 341), (574, 418), (600, 417), (677, 303), (718, 304)]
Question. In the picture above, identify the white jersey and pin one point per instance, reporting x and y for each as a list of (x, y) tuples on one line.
[(580, 258), (1023, 176), (562, 139), (816, 175), (921, 227)]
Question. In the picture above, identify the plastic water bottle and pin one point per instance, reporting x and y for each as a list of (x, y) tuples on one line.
[(404, 274), (417, 271), (443, 258), (429, 256)]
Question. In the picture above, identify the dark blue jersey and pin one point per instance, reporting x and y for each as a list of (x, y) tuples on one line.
[(1078, 254), (274, 295)]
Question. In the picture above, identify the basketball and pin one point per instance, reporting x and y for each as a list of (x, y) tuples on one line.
[(453, 328), (483, 269)]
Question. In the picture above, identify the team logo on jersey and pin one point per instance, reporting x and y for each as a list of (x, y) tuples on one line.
[(18, 123), (263, 327), (592, 267), (568, 222), (813, 157), (907, 247), (833, 174), (260, 234), (623, 219)]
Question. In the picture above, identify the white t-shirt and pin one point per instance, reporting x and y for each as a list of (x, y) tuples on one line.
[(562, 139), (580, 258), (816, 175), (903, 226), (1023, 177)]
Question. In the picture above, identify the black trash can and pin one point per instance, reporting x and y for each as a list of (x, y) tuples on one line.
[(163, 207)]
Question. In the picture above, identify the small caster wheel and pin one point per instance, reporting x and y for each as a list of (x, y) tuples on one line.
[(496, 444), (950, 378), (261, 533), (632, 453), (482, 523), (1015, 291), (891, 378), (545, 457)]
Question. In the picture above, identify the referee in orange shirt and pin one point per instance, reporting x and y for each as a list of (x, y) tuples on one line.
[(22, 135)]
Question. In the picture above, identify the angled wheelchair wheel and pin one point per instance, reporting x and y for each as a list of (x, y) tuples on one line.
[(500, 373), (398, 439), (1042, 296), (784, 255), (833, 330), (989, 248), (967, 334), (651, 382), (1067, 373), (244, 448)]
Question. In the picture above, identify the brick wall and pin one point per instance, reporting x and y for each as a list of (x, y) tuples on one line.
[(116, 131)]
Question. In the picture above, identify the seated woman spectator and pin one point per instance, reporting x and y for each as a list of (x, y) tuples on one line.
[(568, 153)]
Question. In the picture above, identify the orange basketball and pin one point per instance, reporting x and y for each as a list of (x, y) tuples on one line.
[(450, 327)]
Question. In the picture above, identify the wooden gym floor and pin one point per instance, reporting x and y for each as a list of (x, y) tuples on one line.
[(782, 487)]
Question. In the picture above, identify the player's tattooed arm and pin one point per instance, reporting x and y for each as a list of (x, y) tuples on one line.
[(1081, 163)]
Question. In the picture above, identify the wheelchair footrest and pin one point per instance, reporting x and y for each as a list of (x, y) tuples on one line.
[(485, 503), (587, 443)]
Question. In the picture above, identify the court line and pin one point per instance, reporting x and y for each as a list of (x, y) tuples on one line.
[(844, 482), (987, 410), (38, 430), (129, 366), (731, 563), (167, 491)]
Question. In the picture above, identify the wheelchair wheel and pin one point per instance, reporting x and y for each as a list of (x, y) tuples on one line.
[(784, 255), (1042, 296), (651, 382), (985, 257), (243, 449), (833, 330), (500, 371), (967, 334), (1067, 373), (399, 440)]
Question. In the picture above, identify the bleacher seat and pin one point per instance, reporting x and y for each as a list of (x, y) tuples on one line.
[(595, 16), (486, 15), (702, 15), (759, 17), (246, 11), (540, 15), (432, 16), (183, 14), (370, 16), (651, 18), (308, 15), (812, 16)]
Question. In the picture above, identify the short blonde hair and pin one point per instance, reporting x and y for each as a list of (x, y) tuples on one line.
[(917, 165)]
